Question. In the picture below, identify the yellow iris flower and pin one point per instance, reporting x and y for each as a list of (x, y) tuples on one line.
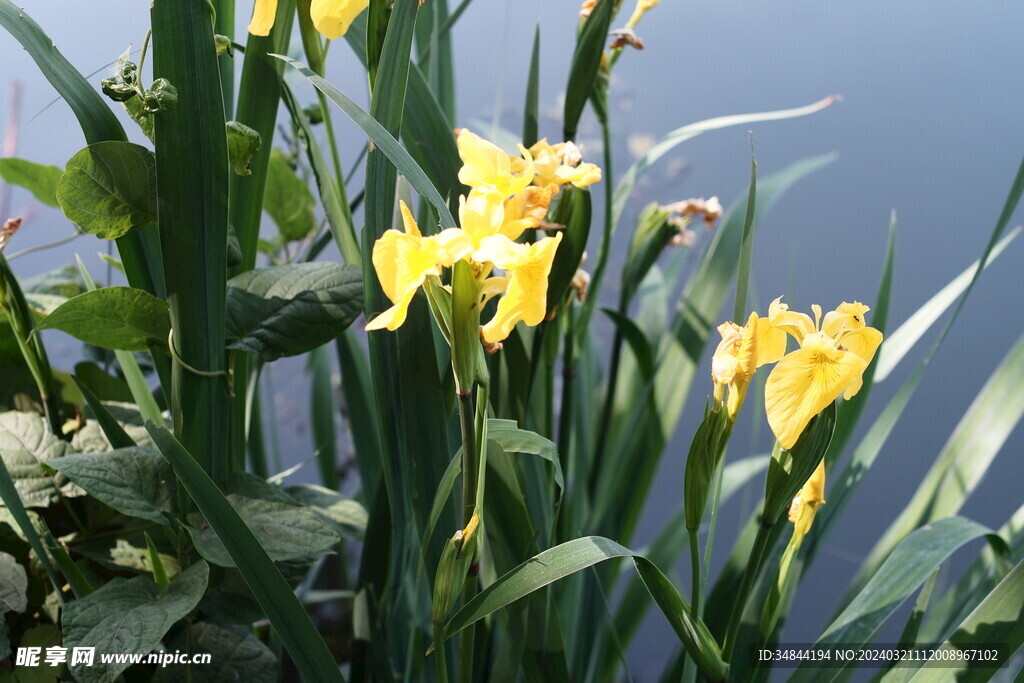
[(556, 165), (834, 352), (499, 208), (330, 17), (739, 354)]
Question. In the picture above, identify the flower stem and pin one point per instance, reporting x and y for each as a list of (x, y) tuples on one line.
[(694, 573), (749, 578), (470, 477), (440, 662)]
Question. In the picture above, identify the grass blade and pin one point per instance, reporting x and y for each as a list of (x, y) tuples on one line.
[(383, 139), (902, 573), (586, 60), (275, 596), (629, 180)]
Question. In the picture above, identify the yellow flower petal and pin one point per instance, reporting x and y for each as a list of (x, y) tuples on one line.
[(481, 213), (333, 17), (797, 324), (486, 165), (806, 502), (525, 210), (724, 363), (580, 176), (525, 298), (805, 382), (263, 13), (863, 342), (845, 317)]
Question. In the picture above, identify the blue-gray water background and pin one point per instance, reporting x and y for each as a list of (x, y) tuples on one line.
[(929, 125)]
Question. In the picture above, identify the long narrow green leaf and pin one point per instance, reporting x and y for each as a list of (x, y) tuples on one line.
[(898, 344), (958, 469), (902, 573), (10, 498), (998, 619), (739, 311), (586, 60), (573, 556), (532, 102), (192, 181), (382, 138), (273, 593), (629, 180), (114, 432), (140, 252)]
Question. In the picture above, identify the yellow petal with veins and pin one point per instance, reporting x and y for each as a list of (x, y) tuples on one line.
[(863, 342), (333, 17), (486, 166), (263, 13), (481, 213), (528, 267), (805, 382)]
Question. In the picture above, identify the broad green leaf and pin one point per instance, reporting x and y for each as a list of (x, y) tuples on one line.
[(109, 189), (347, 515), (906, 336), (964, 459), (507, 434), (287, 199), (236, 655), (25, 444), (586, 61), (243, 144), (25, 524), (286, 529), (666, 144), (996, 620), (42, 636), (120, 318), (64, 281), (910, 564), (13, 584), (38, 179), (383, 140), (581, 553), (128, 616), (286, 614), (136, 482), (288, 310)]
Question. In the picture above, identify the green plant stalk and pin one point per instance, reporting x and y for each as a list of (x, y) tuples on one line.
[(470, 479), (757, 553), (258, 101), (695, 574), (565, 416), (12, 299), (224, 24), (440, 661), (588, 306), (192, 182)]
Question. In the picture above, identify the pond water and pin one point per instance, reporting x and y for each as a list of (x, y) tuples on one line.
[(929, 125)]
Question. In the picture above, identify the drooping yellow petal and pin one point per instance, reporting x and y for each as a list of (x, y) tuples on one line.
[(528, 267), (863, 342), (806, 502), (263, 13), (333, 17), (546, 163), (525, 210), (403, 260), (845, 317), (485, 165), (805, 382), (580, 176)]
